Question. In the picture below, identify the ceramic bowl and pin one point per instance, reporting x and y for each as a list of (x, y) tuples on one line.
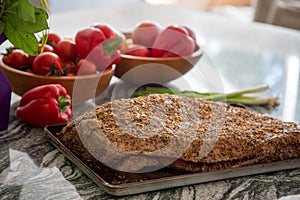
[(145, 70), (81, 88)]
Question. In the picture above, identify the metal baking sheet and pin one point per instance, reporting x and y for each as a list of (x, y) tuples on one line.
[(165, 178)]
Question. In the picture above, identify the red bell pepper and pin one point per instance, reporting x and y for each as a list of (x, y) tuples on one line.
[(173, 41), (45, 105)]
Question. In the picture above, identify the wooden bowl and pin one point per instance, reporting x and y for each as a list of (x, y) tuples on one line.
[(81, 88), (144, 70)]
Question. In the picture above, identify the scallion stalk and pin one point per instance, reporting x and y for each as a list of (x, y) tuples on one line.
[(241, 96)]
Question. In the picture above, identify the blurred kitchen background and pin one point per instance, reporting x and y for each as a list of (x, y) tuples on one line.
[(284, 13), (256, 39)]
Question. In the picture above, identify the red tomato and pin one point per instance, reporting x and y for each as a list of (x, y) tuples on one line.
[(70, 74), (116, 57), (85, 67), (69, 67), (87, 39), (16, 59), (47, 63), (110, 32), (190, 32), (137, 50), (102, 60), (53, 39), (47, 48), (66, 50), (29, 70), (31, 59), (173, 41), (177, 28), (145, 33), (107, 29)]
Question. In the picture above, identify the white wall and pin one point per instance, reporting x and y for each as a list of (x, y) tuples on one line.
[(70, 5)]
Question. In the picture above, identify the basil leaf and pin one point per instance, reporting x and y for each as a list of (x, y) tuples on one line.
[(39, 24), (10, 2), (41, 17), (26, 11), (2, 26), (23, 40), (20, 21)]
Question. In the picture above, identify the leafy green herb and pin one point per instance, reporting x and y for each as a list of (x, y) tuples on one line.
[(110, 46), (234, 97), (20, 21)]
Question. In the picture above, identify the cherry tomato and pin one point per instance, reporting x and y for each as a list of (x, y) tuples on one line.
[(70, 74), (145, 33), (85, 67), (178, 29), (107, 29), (173, 41), (69, 67), (116, 57), (87, 39), (66, 50), (102, 60), (29, 70), (191, 32), (47, 63), (16, 59), (47, 48), (111, 33), (53, 39), (137, 50)]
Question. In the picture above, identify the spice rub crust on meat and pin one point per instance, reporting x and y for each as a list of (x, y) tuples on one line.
[(189, 134)]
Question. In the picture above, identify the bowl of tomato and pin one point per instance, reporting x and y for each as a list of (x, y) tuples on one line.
[(83, 64), (80, 87), (157, 55)]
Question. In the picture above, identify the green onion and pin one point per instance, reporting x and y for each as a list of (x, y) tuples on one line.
[(241, 96)]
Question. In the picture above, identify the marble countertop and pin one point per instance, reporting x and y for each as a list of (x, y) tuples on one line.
[(32, 168)]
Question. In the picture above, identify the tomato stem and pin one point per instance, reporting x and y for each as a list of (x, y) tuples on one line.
[(111, 45)]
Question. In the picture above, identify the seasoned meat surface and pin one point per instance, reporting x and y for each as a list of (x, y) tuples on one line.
[(180, 132)]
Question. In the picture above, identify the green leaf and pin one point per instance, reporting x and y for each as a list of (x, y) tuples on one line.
[(23, 40), (26, 11), (2, 26), (13, 18), (12, 6), (20, 21), (41, 17), (8, 3), (110, 46)]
